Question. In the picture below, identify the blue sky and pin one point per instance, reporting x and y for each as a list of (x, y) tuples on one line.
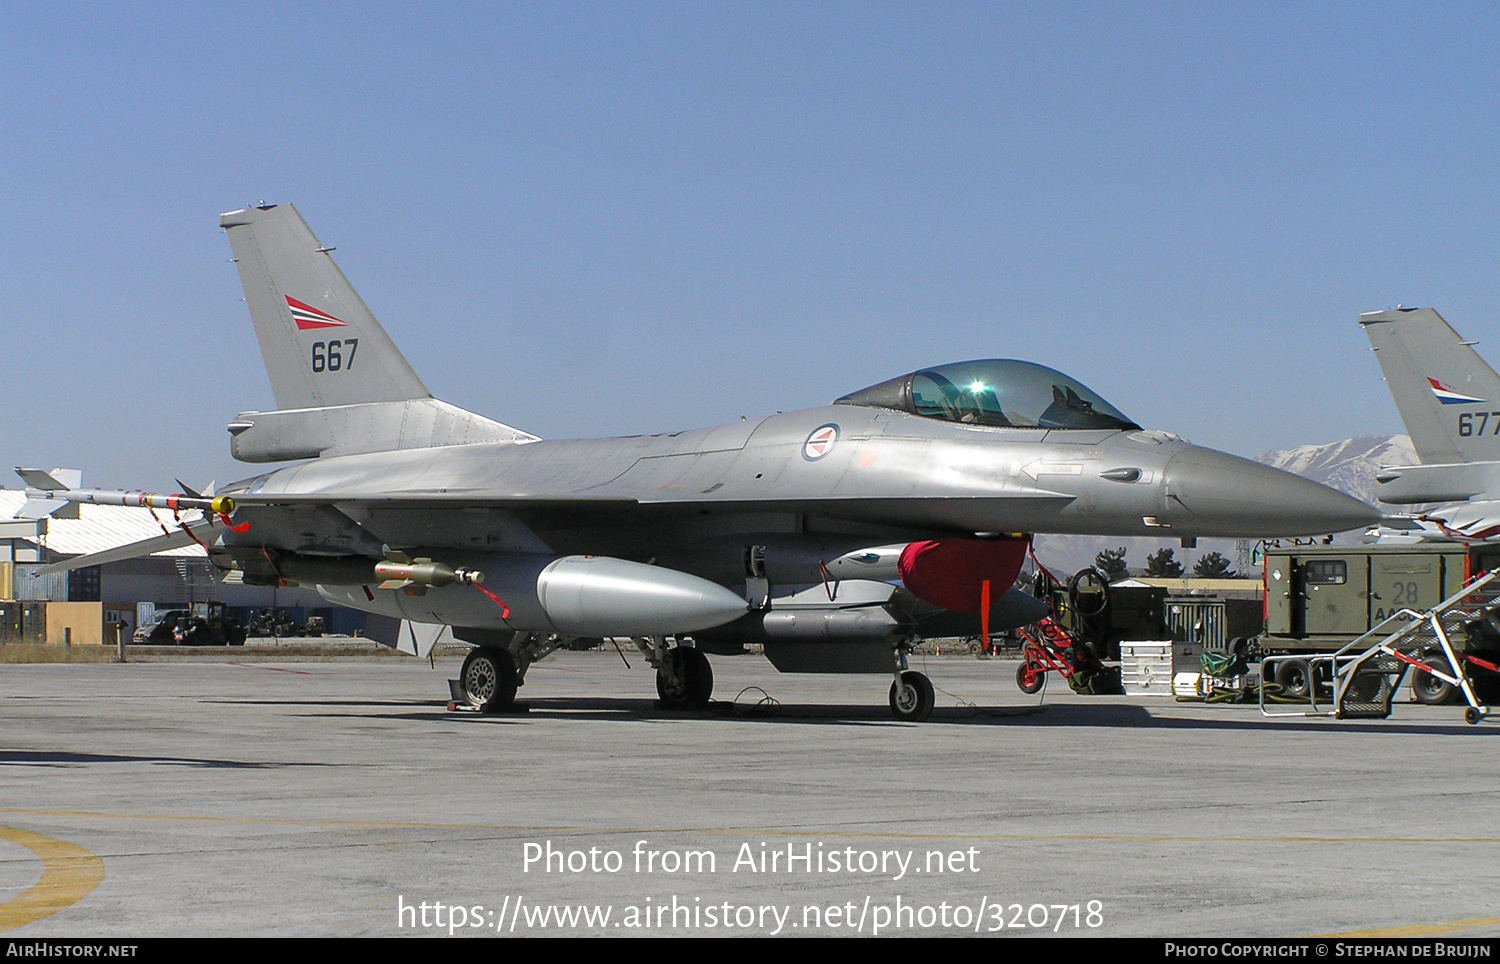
[(591, 219)]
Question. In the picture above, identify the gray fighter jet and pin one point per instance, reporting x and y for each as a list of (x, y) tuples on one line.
[(787, 531), (1449, 401)]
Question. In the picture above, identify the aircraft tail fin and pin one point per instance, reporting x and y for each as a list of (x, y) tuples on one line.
[(322, 346), (341, 385), (1449, 399)]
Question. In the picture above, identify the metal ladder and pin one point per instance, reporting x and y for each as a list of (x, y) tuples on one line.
[(1365, 681)]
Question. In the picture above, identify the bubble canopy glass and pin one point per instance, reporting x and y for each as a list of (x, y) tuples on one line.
[(1000, 392)]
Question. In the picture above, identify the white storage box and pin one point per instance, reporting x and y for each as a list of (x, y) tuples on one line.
[(1189, 684), (1146, 668)]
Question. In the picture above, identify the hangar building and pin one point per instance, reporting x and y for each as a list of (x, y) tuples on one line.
[(84, 605)]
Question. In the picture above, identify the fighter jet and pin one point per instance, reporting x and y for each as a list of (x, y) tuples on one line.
[(789, 531), (1449, 401)]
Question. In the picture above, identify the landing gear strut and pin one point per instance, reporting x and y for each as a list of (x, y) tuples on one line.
[(912, 695), (684, 678), (497, 666)]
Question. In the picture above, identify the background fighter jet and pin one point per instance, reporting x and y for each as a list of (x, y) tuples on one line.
[(786, 531), (1449, 401)]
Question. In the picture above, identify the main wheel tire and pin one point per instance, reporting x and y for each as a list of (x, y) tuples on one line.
[(686, 681), (489, 679), (700, 677), (1429, 689), (1294, 679), (1030, 678), (912, 697)]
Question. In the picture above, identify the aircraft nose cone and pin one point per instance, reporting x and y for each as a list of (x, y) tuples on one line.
[(1214, 493)]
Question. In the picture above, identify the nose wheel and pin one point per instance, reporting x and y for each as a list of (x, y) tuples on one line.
[(912, 697)]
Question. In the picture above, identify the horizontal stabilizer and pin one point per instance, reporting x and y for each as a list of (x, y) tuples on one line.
[(310, 433), (1413, 484)]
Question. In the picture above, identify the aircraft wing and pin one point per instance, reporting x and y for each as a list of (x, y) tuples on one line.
[(175, 540)]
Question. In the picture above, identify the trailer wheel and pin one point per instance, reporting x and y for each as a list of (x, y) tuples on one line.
[(1429, 689), (1030, 678), (1294, 679)]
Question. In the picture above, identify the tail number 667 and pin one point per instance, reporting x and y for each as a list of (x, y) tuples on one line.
[(334, 355)]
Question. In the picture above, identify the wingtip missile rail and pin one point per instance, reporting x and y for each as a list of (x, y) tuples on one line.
[(221, 505)]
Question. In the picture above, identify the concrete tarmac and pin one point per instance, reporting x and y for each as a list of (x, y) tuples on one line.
[(224, 798)]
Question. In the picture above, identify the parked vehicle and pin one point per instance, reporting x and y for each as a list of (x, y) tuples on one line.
[(204, 624), (1319, 598)]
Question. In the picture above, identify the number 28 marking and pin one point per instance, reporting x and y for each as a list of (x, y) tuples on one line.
[(327, 356)]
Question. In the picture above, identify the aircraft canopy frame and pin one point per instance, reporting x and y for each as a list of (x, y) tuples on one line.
[(995, 392)]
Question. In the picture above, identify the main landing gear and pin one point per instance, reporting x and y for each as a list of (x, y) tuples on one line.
[(684, 678), (494, 669), (488, 678)]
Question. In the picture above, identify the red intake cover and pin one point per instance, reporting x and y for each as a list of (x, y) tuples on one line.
[(950, 572)]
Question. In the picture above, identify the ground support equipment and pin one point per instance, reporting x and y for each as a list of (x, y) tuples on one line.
[(1047, 647), (1368, 671)]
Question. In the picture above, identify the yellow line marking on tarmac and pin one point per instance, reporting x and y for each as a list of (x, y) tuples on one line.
[(721, 831), (69, 874), (1423, 930)]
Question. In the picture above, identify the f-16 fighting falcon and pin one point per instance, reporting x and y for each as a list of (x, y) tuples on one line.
[(790, 531)]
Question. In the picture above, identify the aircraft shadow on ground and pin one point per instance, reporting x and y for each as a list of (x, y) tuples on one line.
[(1103, 716), (323, 702), (57, 758), (623, 708)]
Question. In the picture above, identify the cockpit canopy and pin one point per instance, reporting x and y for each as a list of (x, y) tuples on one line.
[(999, 392)]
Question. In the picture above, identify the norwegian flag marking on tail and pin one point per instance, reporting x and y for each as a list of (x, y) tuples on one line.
[(1448, 396), (307, 317)]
